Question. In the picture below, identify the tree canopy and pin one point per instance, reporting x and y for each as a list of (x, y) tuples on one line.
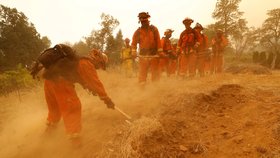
[(19, 40), (227, 14), (270, 31), (269, 34), (98, 38)]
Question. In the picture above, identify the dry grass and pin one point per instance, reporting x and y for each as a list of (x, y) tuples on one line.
[(131, 139), (248, 69), (107, 137)]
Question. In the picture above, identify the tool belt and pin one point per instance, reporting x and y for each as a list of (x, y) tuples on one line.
[(202, 53), (170, 54), (126, 59), (188, 50), (149, 51)]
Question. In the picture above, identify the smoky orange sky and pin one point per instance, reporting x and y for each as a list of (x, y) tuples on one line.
[(70, 21)]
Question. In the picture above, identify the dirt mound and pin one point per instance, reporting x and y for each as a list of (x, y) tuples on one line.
[(248, 69), (204, 125), (222, 115)]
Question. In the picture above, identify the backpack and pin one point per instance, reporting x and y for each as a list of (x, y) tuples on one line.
[(51, 55)]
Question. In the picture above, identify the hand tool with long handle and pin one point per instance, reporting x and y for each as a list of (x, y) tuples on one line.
[(124, 114)]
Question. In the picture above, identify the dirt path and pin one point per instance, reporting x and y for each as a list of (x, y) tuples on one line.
[(217, 116)]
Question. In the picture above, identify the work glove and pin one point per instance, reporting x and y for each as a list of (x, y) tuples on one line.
[(109, 103), (178, 51), (35, 68), (162, 54), (196, 45), (133, 54), (173, 55)]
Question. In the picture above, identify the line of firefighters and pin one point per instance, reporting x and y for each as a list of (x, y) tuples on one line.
[(184, 58), (61, 67)]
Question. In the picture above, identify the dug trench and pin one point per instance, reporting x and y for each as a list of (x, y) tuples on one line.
[(216, 116)]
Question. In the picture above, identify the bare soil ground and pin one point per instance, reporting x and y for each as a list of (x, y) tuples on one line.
[(220, 116)]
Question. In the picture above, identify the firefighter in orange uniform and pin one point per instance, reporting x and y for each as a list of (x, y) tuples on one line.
[(186, 47), (61, 69), (167, 52), (173, 58), (201, 49), (208, 62), (219, 42), (148, 38)]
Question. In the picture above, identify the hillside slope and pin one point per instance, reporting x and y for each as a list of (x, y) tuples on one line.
[(216, 116)]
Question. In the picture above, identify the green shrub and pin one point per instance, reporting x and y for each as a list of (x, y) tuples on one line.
[(231, 59), (15, 80)]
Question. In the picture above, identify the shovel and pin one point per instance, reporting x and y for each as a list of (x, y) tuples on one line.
[(128, 120)]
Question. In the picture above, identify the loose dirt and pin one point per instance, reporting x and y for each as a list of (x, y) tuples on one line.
[(219, 116)]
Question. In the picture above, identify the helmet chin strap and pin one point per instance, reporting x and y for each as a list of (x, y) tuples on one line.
[(145, 23)]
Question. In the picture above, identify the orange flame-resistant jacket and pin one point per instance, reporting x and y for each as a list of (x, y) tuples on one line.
[(219, 44), (188, 39), (166, 45), (148, 39), (203, 42), (89, 78)]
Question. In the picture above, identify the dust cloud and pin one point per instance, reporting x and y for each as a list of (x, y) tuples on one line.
[(23, 117), (103, 130)]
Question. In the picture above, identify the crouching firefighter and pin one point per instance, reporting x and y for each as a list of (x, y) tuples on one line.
[(61, 67)]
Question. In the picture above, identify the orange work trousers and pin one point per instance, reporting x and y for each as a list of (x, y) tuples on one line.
[(208, 65), (146, 63), (201, 64), (183, 65), (217, 63), (163, 65), (187, 62), (63, 101), (172, 67)]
